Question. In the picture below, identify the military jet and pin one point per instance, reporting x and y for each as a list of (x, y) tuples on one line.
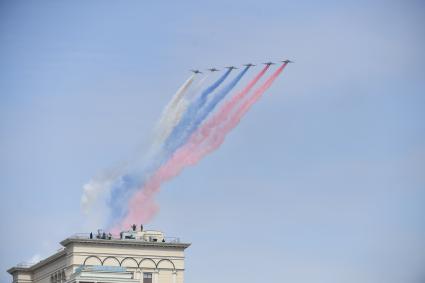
[(231, 67), (269, 63), (196, 71), (249, 65), (287, 61), (213, 70)]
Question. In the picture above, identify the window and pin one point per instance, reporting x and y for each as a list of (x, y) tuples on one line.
[(147, 277)]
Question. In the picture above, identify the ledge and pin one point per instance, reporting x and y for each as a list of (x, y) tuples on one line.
[(124, 242), (36, 265)]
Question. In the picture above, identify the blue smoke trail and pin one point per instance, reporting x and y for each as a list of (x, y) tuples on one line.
[(192, 125), (212, 87), (121, 192)]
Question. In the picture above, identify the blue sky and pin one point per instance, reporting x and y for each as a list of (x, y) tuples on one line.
[(323, 181)]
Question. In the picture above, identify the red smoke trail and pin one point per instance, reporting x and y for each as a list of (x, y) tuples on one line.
[(207, 139), (217, 138), (222, 115)]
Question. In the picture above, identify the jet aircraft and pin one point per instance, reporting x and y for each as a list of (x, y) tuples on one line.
[(213, 70), (196, 71)]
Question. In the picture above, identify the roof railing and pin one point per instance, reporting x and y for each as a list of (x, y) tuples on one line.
[(117, 237)]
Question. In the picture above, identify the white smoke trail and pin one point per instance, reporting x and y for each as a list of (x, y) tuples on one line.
[(174, 112), (184, 103), (96, 193), (92, 190), (192, 93), (165, 123)]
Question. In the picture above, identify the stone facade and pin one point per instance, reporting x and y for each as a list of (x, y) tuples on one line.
[(85, 260)]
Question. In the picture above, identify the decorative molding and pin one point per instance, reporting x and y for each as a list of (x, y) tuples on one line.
[(139, 263)]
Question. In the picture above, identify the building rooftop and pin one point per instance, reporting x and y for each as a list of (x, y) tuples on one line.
[(126, 242), (128, 238)]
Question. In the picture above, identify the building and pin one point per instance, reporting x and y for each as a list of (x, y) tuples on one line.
[(134, 257)]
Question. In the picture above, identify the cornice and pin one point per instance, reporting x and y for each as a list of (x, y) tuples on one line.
[(120, 242), (37, 265)]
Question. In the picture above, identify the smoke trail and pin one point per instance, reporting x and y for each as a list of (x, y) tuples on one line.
[(224, 112), (176, 113), (112, 187), (122, 189), (203, 113), (190, 115), (168, 117), (191, 94), (220, 131), (142, 207), (93, 200), (185, 102)]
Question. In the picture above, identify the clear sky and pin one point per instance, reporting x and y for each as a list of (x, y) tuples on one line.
[(323, 181)]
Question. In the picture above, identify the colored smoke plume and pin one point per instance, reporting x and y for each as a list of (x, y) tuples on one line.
[(207, 139)]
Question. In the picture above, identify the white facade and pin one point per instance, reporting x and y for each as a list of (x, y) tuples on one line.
[(146, 258)]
